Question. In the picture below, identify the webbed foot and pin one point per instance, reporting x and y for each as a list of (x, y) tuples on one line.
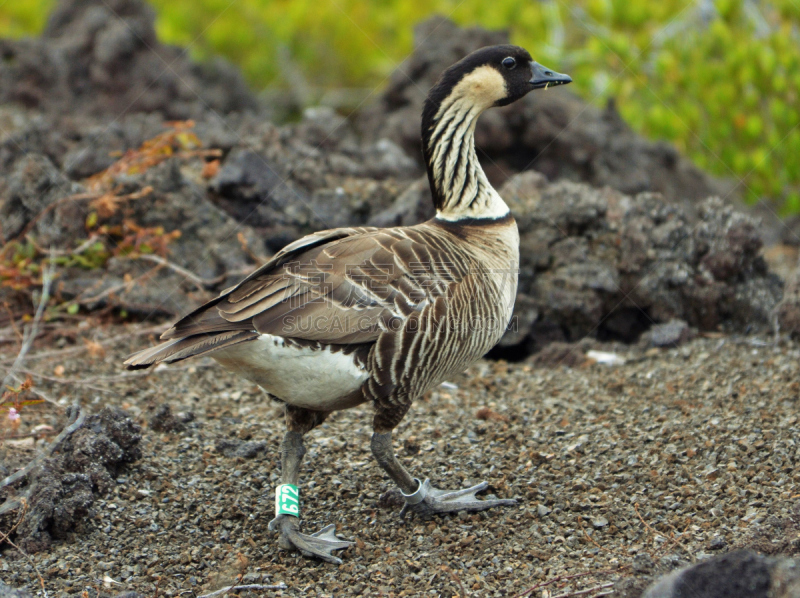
[(320, 544), (427, 500)]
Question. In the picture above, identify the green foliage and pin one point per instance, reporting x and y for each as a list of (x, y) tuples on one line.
[(23, 262), (720, 80), (23, 18), (723, 86)]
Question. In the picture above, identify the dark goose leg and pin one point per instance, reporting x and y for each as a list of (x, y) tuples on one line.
[(324, 542), (421, 497)]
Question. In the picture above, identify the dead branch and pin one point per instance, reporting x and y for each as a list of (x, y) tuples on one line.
[(79, 349), (16, 525), (644, 523), (118, 287), (38, 392), (259, 260), (676, 540), (254, 586), (87, 382), (603, 586), (68, 252), (31, 331), (65, 381), (90, 379), (201, 153), (457, 579), (201, 283)]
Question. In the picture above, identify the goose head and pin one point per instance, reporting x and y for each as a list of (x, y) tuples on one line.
[(491, 76)]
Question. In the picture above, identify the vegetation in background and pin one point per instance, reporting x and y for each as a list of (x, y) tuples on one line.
[(23, 262), (718, 78)]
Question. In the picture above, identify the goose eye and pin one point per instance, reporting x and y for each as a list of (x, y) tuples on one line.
[(509, 63)]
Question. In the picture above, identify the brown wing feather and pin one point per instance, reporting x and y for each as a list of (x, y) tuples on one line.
[(204, 319), (343, 286)]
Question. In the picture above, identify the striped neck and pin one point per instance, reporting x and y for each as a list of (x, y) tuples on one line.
[(459, 185)]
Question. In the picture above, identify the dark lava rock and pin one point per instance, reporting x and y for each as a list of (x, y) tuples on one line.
[(308, 176), (594, 261), (554, 132), (521, 327), (210, 245), (412, 206), (777, 535), (63, 489), (163, 420), (32, 184), (272, 187), (717, 543), (559, 354), (102, 57), (239, 448), (740, 574), (603, 264), (788, 311)]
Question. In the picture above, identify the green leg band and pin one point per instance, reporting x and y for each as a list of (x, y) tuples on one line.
[(287, 500)]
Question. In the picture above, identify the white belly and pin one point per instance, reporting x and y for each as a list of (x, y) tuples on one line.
[(305, 377)]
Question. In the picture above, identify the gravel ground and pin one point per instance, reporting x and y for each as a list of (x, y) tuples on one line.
[(675, 455)]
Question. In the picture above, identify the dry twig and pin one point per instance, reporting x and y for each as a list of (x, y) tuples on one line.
[(603, 586), (67, 252), (676, 540), (116, 288), (32, 330), (87, 382), (106, 342), (201, 283), (39, 434), (78, 197), (38, 391), (12, 324), (456, 578)]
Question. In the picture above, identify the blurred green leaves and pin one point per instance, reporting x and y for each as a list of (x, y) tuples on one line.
[(718, 78), (23, 18)]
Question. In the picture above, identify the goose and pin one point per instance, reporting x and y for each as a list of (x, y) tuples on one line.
[(353, 315)]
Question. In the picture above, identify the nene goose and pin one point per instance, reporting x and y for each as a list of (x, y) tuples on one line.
[(350, 315)]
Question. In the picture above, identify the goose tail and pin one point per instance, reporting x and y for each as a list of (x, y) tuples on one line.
[(190, 346)]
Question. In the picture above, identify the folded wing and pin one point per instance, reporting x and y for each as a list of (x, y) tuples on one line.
[(339, 287)]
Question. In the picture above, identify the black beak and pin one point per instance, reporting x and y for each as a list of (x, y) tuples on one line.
[(544, 77)]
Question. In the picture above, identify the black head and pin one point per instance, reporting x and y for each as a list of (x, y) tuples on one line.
[(495, 76)]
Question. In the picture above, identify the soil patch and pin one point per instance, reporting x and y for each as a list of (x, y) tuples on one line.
[(676, 455)]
